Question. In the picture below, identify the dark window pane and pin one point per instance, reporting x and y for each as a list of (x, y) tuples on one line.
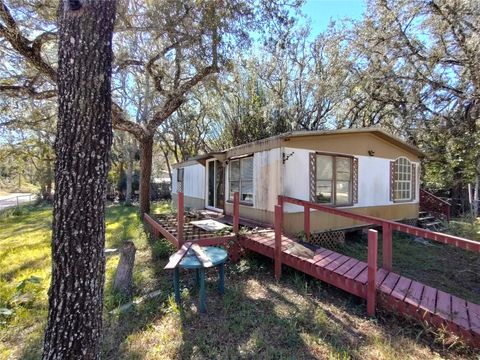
[(324, 191), (247, 169), (235, 170)]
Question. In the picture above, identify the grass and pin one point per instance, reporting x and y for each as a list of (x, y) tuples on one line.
[(296, 318), (444, 267)]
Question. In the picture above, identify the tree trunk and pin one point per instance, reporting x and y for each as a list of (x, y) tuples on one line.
[(123, 275), (146, 150), (128, 195), (83, 142)]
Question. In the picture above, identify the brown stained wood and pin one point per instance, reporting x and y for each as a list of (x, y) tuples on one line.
[(327, 260), (178, 256), (429, 298), (460, 313), (414, 294), (401, 289), (341, 270), (389, 283), (408, 229), (319, 256), (350, 275), (474, 317), (363, 277), (444, 305), (268, 242), (356, 270), (372, 272), (336, 263)]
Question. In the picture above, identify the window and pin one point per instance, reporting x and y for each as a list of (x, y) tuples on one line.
[(334, 180), (241, 179), (402, 179)]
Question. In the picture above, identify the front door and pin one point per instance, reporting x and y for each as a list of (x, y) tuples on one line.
[(215, 187)]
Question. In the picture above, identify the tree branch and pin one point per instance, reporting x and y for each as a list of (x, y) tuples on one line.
[(27, 91), (22, 45)]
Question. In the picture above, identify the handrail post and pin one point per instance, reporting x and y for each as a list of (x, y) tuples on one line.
[(372, 272), (387, 250), (180, 219), (280, 202), (278, 242), (236, 212), (306, 221)]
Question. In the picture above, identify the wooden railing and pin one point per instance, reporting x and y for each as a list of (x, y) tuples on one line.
[(387, 228), (434, 205), (178, 241)]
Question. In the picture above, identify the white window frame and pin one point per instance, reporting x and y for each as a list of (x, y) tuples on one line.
[(229, 195), (334, 180), (402, 180)]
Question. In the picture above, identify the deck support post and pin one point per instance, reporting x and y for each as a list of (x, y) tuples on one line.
[(180, 219), (306, 221), (372, 272), (278, 242), (236, 212), (387, 246)]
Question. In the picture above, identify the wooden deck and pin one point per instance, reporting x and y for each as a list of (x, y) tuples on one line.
[(394, 292), (379, 286)]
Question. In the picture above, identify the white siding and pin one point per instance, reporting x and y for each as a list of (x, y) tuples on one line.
[(373, 179), (174, 181), (193, 181), (296, 177), (266, 178)]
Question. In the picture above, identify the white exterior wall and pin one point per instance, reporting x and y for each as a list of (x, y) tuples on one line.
[(174, 181), (266, 178), (266, 175), (193, 181), (373, 180)]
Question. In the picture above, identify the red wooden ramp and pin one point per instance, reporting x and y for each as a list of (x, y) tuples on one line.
[(394, 292)]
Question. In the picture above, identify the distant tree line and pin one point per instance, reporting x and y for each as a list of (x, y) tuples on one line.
[(188, 79)]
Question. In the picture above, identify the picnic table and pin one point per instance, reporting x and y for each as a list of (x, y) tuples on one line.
[(192, 256)]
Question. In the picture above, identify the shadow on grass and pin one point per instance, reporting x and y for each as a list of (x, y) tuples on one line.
[(257, 317), (444, 267)]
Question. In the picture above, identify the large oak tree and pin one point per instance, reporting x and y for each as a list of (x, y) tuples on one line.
[(83, 142), (163, 50)]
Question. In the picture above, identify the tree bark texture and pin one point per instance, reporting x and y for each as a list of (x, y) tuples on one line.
[(128, 196), (146, 151), (84, 138), (123, 276)]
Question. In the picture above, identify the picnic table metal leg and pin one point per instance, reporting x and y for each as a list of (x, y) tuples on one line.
[(202, 290), (221, 278), (176, 284)]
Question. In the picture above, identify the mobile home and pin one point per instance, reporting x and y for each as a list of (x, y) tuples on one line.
[(366, 171)]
